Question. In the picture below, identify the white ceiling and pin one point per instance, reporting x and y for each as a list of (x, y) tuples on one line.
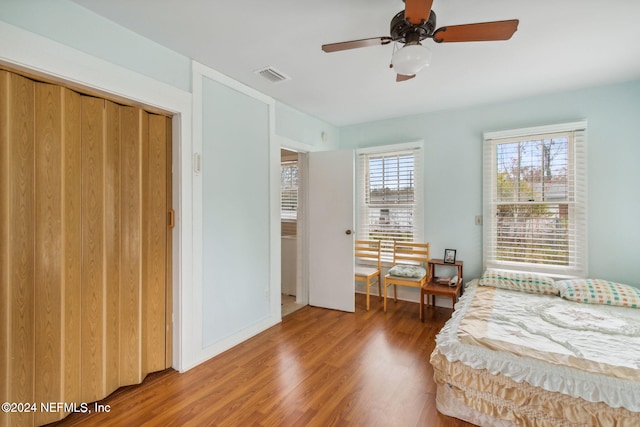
[(559, 45)]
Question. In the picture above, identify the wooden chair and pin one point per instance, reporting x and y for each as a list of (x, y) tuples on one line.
[(411, 260), (367, 254)]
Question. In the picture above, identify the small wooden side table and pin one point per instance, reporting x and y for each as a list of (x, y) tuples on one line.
[(433, 288)]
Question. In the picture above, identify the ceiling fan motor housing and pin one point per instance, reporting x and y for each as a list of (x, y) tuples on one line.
[(403, 31)]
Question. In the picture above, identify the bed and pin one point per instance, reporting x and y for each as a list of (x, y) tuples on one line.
[(509, 356)]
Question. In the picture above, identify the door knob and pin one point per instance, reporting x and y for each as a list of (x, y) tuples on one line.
[(348, 232)]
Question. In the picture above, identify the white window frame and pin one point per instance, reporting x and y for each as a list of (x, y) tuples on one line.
[(289, 205), (577, 265), (363, 225)]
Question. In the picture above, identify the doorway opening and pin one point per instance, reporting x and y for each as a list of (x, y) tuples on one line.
[(292, 236)]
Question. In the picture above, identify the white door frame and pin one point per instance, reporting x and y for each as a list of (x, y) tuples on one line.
[(302, 264), (302, 246)]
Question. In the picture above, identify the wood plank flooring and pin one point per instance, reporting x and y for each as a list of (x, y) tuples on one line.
[(317, 368)]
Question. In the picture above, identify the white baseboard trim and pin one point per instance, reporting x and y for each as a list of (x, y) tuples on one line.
[(230, 342)]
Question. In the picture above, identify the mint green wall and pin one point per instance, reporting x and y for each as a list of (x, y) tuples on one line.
[(72, 25), (235, 217), (301, 127), (453, 169)]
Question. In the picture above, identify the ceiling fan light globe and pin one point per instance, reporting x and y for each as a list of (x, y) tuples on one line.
[(411, 59)]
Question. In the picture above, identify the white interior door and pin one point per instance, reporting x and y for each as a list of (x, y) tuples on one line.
[(331, 219)]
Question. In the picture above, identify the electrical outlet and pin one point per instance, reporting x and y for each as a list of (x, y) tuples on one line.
[(478, 219)]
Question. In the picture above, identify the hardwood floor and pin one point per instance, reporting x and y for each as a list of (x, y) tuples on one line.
[(317, 368), (289, 305)]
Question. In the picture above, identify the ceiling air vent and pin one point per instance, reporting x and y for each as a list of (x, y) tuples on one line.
[(273, 75)]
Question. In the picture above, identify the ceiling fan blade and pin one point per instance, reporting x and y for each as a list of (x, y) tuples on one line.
[(402, 77), (482, 31), (416, 11), (353, 44)]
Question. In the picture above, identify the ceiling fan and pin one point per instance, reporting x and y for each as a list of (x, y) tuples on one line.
[(417, 22)]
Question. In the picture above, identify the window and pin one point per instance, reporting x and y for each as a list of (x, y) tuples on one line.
[(289, 190), (390, 194), (535, 200)]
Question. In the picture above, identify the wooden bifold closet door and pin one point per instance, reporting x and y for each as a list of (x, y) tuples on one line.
[(84, 246)]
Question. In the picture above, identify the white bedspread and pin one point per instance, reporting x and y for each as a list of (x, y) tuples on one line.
[(584, 350)]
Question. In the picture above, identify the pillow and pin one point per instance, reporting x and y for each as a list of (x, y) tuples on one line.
[(598, 291), (412, 271), (524, 282)]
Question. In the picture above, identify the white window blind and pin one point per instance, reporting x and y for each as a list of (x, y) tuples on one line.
[(535, 200), (289, 190), (390, 194)]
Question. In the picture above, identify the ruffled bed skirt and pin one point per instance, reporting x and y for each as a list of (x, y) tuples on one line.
[(481, 398)]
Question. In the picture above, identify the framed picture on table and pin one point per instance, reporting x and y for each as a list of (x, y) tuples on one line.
[(449, 256)]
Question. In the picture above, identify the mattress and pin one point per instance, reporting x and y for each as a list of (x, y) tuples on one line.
[(586, 352)]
